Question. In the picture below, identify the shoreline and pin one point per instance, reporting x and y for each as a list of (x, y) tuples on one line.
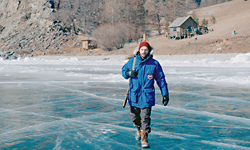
[(189, 57)]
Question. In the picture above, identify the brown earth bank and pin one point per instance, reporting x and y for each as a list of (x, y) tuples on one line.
[(164, 46)]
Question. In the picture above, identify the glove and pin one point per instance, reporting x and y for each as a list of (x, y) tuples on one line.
[(132, 73), (165, 100)]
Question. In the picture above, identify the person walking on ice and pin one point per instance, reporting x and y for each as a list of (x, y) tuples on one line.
[(143, 71)]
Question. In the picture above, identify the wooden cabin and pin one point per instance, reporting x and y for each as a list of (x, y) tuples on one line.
[(87, 42), (182, 28)]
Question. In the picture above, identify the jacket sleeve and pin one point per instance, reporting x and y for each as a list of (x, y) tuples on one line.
[(160, 79), (126, 68)]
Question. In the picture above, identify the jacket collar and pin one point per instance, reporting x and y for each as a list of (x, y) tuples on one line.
[(147, 58)]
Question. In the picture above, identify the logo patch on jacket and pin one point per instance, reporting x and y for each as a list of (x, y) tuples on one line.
[(150, 76)]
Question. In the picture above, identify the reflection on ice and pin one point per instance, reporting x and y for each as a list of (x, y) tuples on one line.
[(76, 103)]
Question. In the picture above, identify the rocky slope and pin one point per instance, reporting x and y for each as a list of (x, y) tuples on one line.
[(26, 28)]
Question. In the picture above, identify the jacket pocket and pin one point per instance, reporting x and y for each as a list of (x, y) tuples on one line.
[(133, 95), (150, 94)]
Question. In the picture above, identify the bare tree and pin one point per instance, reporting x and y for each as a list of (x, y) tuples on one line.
[(169, 10), (124, 11), (112, 11), (112, 37), (195, 17)]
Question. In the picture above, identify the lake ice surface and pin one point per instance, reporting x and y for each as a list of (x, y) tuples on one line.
[(72, 103)]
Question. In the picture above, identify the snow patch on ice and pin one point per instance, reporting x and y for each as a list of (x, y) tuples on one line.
[(242, 58), (216, 60)]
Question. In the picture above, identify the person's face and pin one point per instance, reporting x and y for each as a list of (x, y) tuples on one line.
[(143, 52)]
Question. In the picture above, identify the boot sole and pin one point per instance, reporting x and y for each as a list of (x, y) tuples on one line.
[(144, 145)]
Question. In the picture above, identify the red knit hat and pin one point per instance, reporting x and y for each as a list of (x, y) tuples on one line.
[(145, 44)]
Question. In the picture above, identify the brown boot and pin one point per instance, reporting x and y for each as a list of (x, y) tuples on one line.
[(144, 139), (138, 134)]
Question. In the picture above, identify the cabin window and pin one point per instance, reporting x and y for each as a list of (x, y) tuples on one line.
[(174, 29)]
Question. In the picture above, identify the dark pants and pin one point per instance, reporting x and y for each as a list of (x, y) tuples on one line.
[(141, 118)]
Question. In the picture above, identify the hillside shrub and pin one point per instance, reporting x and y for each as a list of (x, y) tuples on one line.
[(204, 22), (110, 37), (212, 20)]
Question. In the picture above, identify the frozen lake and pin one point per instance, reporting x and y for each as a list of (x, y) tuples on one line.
[(76, 103)]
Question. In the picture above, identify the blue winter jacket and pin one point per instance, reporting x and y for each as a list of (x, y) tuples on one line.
[(141, 89)]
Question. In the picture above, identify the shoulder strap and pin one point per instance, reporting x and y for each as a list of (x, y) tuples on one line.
[(133, 68)]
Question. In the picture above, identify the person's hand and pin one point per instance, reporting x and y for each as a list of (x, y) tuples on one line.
[(132, 73), (165, 100)]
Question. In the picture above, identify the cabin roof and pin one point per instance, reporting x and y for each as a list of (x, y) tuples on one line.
[(179, 21), (85, 38)]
